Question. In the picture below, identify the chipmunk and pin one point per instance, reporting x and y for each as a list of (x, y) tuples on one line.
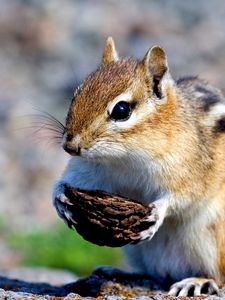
[(134, 131)]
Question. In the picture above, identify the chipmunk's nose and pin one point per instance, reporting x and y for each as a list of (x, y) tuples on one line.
[(71, 149), (72, 145)]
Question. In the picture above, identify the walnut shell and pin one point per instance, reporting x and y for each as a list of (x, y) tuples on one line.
[(105, 219)]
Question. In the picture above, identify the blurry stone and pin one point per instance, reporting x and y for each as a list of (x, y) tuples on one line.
[(39, 274)]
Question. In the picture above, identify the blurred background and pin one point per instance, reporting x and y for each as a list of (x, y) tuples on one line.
[(46, 49)]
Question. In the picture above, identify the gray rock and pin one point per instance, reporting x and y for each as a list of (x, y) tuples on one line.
[(40, 274)]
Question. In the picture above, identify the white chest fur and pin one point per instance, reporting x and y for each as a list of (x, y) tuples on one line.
[(126, 182)]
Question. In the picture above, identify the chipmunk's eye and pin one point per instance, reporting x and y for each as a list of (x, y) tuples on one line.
[(121, 111)]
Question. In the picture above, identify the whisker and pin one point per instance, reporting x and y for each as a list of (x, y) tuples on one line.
[(54, 140), (51, 129), (43, 120), (49, 116), (45, 127)]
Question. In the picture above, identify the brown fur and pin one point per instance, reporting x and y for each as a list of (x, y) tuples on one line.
[(97, 91)]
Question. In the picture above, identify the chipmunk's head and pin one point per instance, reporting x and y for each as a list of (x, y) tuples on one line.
[(122, 108)]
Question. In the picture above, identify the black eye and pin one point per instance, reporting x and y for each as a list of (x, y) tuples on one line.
[(121, 111)]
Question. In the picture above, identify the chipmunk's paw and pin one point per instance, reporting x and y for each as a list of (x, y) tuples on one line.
[(62, 205), (194, 287), (155, 220)]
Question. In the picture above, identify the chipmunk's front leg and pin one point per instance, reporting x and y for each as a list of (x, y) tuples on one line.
[(61, 202), (78, 174), (159, 212)]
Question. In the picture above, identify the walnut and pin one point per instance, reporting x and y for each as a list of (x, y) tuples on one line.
[(105, 219)]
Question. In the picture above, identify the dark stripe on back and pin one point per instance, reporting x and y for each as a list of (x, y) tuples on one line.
[(186, 78), (220, 125), (209, 98)]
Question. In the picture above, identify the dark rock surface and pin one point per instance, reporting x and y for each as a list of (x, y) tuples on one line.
[(103, 283)]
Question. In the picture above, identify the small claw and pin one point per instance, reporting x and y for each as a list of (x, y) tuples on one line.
[(62, 198), (154, 225), (152, 218), (211, 286), (173, 291), (135, 239), (146, 235), (197, 289), (69, 217), (187, 289), (59, 208), (61, 203)]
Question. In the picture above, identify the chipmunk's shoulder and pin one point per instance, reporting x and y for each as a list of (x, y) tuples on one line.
[(207, 102), (203, 95)]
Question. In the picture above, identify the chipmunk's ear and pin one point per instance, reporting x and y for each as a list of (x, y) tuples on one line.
[(155, 64), (110, 53)]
